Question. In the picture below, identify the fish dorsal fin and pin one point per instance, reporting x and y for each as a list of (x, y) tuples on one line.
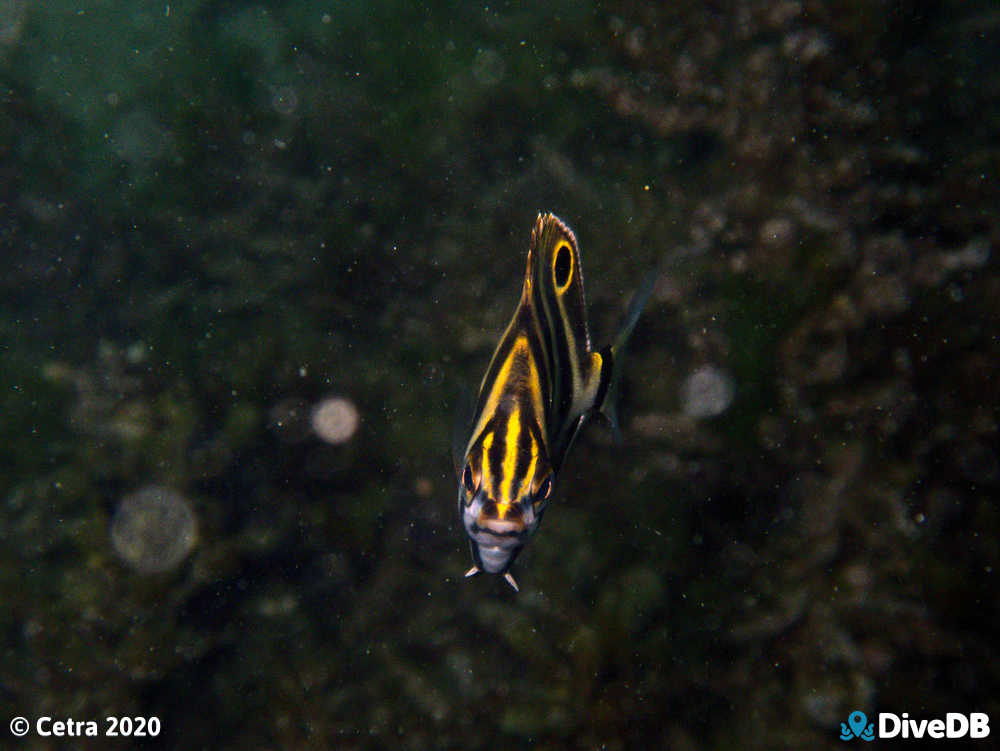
[(557, 296), (555, 270)]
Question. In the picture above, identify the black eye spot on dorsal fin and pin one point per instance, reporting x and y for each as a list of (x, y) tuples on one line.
[(563, 266)]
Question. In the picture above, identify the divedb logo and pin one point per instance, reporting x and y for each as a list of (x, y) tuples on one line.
[(975, 725)]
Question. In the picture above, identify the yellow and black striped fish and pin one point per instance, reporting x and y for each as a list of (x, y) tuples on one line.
[(542, 384)]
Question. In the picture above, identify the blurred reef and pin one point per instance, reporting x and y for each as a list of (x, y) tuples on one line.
[(254, 251)]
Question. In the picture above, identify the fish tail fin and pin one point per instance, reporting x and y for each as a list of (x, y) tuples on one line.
[(614, 354)]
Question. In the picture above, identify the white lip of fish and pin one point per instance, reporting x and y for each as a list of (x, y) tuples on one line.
[(494, 544), (500, 526)]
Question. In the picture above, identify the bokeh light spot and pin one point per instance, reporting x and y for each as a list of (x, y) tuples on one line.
[(335, 419), (153, 529), (707, 392)]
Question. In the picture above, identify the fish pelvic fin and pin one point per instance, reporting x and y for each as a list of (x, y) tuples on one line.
[(614, 354)]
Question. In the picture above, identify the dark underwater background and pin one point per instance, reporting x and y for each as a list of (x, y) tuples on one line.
[(253, 253)]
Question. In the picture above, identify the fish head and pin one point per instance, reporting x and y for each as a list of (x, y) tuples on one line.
[(500, 516)]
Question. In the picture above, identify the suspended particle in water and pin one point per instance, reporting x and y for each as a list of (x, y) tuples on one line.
[(153, 529), (778, 231), (335, 419), (289, 419), (707, 392), (284, 100)]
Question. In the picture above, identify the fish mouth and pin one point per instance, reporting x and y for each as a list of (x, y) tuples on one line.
[(494, 539), (499, 527), (493, 550)]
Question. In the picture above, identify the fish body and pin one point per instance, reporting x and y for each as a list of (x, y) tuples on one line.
[(542, 384)]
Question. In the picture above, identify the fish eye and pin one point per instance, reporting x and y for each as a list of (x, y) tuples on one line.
[(563, 265), (467, 479)]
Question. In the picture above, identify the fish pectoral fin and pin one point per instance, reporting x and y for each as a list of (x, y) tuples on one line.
[(510, 580), (606, 403), (472, 571)]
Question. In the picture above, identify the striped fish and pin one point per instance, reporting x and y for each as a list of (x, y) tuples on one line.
[(542, 384)]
